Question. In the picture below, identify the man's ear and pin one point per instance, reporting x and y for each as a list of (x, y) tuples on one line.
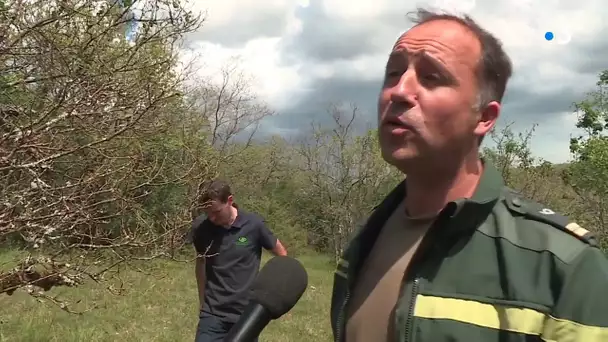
[(487, 118), (230, 200)]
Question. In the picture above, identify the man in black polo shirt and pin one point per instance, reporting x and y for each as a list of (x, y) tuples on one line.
[(228, 243)]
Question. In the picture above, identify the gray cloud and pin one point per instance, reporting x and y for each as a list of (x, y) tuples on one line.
[(527, 99), (264, 23), (533, 96), (588, 56), (325, 39), (313, 106), (523, 102), (524, 105)]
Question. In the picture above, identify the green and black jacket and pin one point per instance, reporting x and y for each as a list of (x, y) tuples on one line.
[(495, 267)]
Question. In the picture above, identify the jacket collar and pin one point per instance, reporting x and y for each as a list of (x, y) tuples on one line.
[(463, 215), (468, 213), (487, 193)]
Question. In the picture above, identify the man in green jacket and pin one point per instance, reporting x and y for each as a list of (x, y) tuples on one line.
[(451, 254)]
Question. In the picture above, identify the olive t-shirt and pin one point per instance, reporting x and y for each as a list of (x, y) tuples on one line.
[(370, 310)]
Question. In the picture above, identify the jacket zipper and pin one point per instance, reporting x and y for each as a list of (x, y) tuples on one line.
[(409, 320), (410, 311), (341, 317)]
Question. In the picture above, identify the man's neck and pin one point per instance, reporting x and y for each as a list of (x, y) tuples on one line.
[(234, 213), (429, 192)]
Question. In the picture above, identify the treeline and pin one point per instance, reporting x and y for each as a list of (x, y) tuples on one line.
[(104, 141)]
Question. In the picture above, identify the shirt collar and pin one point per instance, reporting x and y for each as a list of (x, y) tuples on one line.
[(487, 193), (241, 219), (467, 214), (481, 203)]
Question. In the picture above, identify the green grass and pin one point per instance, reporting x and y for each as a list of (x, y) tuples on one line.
[(159, 304)]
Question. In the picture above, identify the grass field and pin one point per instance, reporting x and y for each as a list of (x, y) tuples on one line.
[(160, 304)]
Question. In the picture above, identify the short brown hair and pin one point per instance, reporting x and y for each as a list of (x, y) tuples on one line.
[(214, 190), (494, 68)]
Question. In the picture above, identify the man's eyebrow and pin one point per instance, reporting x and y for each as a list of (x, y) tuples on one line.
[(400, 53), (424, 56), (406, 55), (434, 61)]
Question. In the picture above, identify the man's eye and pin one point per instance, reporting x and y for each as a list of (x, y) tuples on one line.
[(393, 73), (432, 76)]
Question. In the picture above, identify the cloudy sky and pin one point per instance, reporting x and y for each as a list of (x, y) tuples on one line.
[(304, 54)]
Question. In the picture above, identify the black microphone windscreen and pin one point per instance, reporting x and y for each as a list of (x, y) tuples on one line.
[(279, 285)]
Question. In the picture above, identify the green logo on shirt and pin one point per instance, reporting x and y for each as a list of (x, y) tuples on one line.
[(242, 241)]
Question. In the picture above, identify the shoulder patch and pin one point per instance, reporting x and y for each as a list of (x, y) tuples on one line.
[(537, 212), (579, 231)]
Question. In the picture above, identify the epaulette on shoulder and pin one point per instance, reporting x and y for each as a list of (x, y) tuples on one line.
[(537, 212)]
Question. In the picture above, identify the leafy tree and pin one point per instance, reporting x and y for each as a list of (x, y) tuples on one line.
[(588, 173), (80, 113), (345, 176)]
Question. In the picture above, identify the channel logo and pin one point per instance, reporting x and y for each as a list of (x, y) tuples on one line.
[(561, 37)]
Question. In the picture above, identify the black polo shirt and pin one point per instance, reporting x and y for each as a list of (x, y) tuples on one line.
[(233, 260)]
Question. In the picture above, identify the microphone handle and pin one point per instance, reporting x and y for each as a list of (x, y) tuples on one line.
[(249, 326)]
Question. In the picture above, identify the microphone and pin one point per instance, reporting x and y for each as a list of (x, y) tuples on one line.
[(275, 291)]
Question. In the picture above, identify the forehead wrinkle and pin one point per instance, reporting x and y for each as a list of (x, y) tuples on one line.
[(410, 45), (440, 37), (423, 54), (451, 58)]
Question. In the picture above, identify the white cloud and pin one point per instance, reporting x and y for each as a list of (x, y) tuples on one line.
[(229, 12), (551, 141), (455, 6), (258, 59), (355, 10), (303, 3), (541, 66)]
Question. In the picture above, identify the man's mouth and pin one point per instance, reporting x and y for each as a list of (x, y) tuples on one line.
[(397, 127), (398, 130)]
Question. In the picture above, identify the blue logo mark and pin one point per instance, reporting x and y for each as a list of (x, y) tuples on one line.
[(549, 35)]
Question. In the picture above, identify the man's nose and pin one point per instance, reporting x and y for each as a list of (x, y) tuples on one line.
[(405, 92)]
